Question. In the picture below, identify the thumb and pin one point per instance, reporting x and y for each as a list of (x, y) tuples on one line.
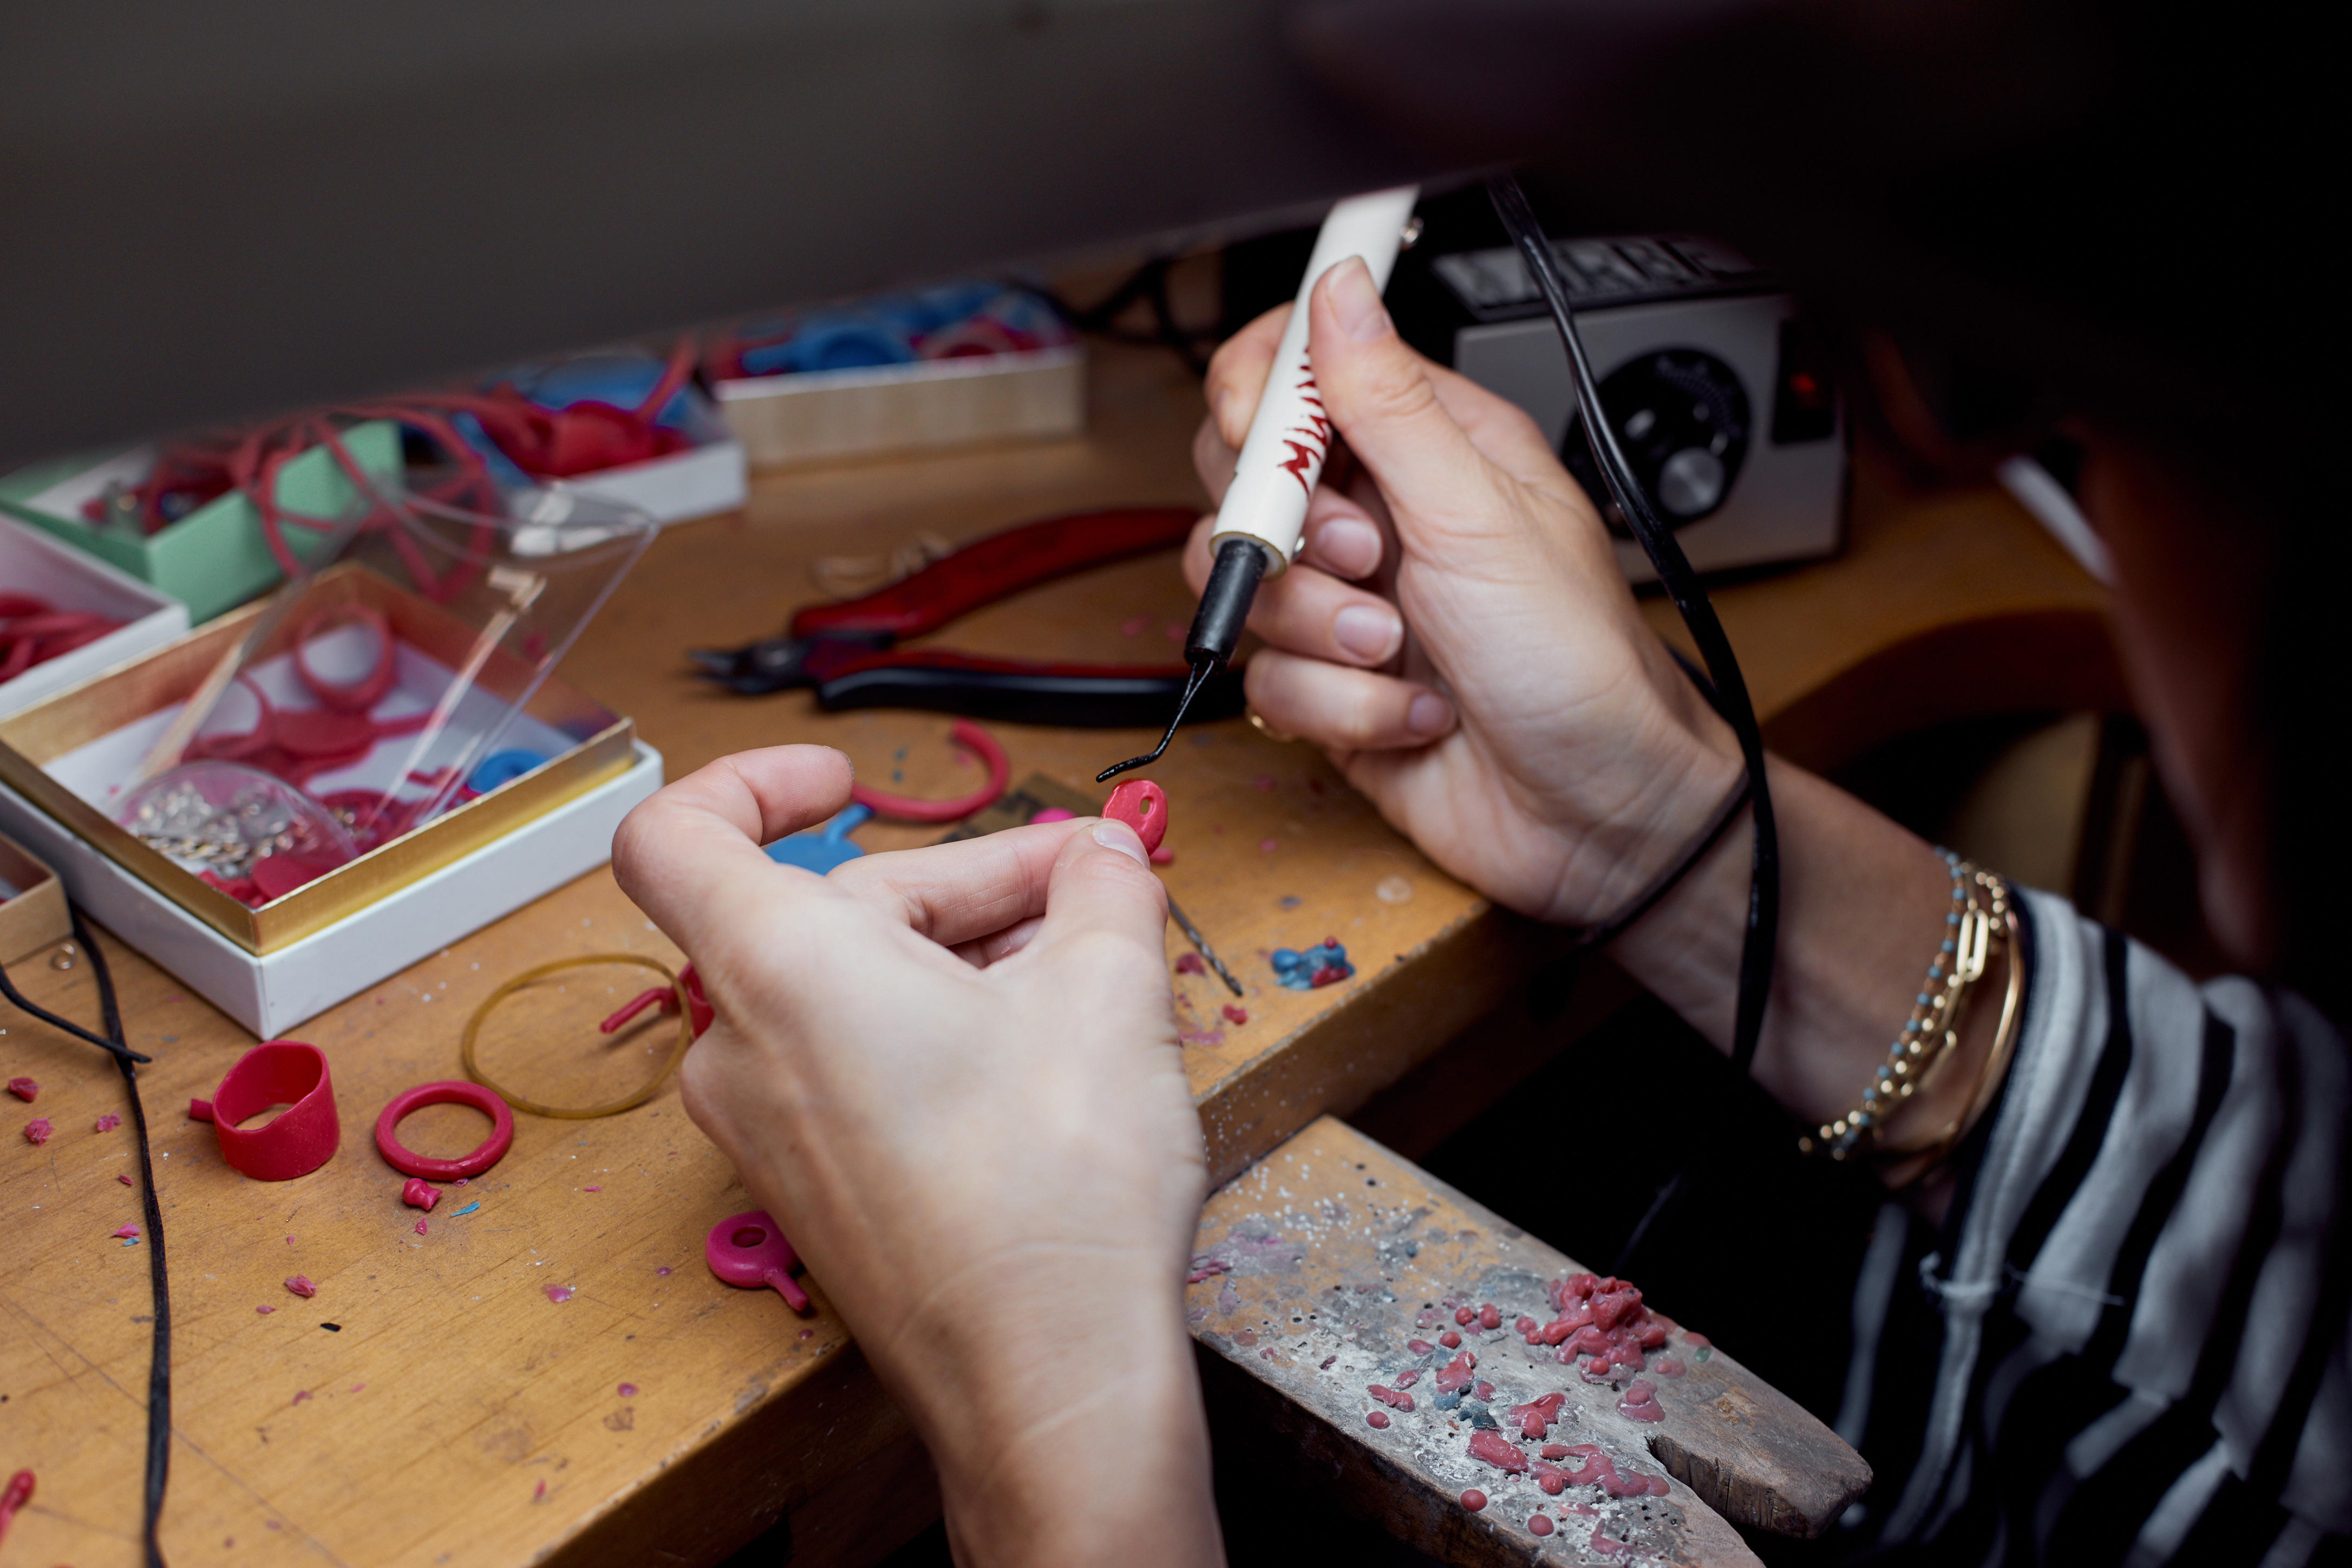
[(1379, 395), (1102, 888)]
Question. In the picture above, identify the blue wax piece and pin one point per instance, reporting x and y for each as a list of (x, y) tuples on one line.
[(502, 468), (820, 849), (502, 767), (832, 340), (1296, 971)]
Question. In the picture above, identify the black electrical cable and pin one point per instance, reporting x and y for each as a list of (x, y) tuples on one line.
[(159, 1364), (1681, 583)]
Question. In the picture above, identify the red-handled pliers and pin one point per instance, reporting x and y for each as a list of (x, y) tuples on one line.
[(847, 651)]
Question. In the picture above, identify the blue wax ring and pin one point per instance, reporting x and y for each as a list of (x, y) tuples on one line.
[(502, 767)]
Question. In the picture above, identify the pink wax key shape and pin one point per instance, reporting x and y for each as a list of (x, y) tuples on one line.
[(748, 1251)]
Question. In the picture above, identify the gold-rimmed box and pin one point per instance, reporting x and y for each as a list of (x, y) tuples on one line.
[(601, 749)]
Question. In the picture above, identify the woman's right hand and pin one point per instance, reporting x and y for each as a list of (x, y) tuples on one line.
[(1556, 759)]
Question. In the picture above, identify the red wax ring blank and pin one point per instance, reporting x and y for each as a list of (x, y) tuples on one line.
[(748, 1251), (446, 1092), (300, 1139), (353, 697), (1142, 805), (905, 808)]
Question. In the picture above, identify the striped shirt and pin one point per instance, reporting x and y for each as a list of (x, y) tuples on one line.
[(2128, 1343)]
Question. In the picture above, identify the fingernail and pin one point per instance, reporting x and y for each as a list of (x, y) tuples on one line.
[(1356, 303), (1429, 715), (1370, 632), (1349, 545), (1119, 836)]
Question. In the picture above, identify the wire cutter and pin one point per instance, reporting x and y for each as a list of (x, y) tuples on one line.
[(847, 651)]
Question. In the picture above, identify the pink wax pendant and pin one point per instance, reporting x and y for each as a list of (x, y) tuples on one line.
[(1142, 805), (748, 1250)]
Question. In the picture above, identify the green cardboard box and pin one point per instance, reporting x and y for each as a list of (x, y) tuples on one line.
[(215, 558)]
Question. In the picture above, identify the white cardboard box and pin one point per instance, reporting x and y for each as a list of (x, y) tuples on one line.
[(271, 993), (708, 478), (33, 563)]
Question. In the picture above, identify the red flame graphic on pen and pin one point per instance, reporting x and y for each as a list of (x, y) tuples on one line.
[(1317, 431)]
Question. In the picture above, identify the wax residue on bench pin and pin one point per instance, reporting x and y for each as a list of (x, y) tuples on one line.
[(1601, 1319), (1641, 1401), (1325, 963), (1497, 1450), (1539, 1524), (1377, 1417), (1474, 1499), (1535, 1418)]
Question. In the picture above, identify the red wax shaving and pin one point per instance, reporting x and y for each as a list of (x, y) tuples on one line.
[(1641, 1402), (1236, 1014), (300, 1285), (128, 1232), (559, 1294), (1191, 964), (38, 1129), (1534, 1419), (1496, 1450), (265, 1311), (628, 1391), (1418, 1347), (300, 1396), (1377, 1417), (1390, 1397), (26, 1089), (1603, 1319), (106, 1123), (18, 1493), (1449, 1339), (1474, 1499), (1203, 1269), (1597, 1470), (1455, 1374), (1540, 1525), (1329, 975), (126, 1180), (417, 1193), (420, 1227), (540, 1491)]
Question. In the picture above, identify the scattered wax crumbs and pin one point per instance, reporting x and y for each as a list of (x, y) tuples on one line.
[(559, 1294), (808, 1333), (25, 1089), (38, 1129), (420, 1227), (1236, 1014), (661, 1273), (628, 1391), (300, 1394), (470, 1208), (106, 1123), (357, 1386), (589, 1189), (130, 1230), (265, 1311), (301, 1286), (539, 1492), (125, 1181)]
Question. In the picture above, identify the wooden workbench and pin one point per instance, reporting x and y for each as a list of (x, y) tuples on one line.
[(456, 1413)]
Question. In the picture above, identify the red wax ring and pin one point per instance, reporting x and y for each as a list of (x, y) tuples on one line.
[(748, 1251), (352, 697), (446, 1092), (241, 743), (905, 808), (300, 1139), (1142, 805)]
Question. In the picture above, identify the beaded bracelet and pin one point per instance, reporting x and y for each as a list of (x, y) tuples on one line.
[(1932, 1033)]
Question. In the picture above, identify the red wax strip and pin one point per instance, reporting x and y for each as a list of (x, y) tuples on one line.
[(662, 996), (300, 1285), (419, 1194), (38, 1129), (1142, 805), (106, 1123), (25, 1089)]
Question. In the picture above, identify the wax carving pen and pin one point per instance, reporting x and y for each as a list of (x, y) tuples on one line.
[(1265, 513)]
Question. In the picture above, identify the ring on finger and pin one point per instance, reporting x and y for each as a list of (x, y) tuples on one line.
[(1268, 731)]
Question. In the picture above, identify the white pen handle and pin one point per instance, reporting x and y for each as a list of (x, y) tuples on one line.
[(1291, 436)]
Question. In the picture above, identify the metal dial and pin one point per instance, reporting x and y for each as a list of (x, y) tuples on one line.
[(1682, 418)]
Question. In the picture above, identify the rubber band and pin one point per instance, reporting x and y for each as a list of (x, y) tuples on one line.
[(449, 1092), (682, 997), (355, 696), (905, 808)]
